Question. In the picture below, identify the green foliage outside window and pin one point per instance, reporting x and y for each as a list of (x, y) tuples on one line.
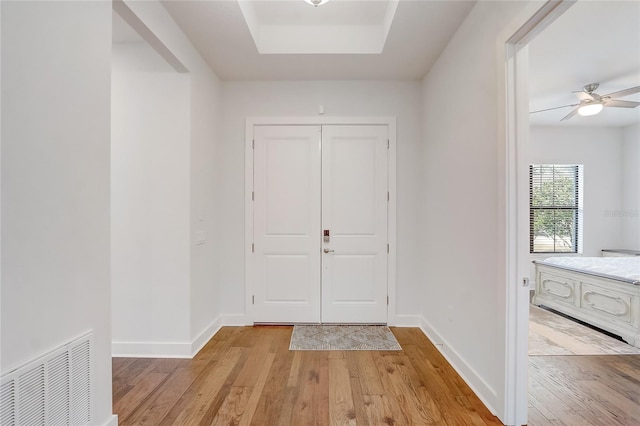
[(553, 208)]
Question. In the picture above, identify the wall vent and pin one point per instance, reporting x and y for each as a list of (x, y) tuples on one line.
[(52, 390)]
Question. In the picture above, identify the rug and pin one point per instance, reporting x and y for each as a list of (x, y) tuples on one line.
[(343, 338), (551, 333)]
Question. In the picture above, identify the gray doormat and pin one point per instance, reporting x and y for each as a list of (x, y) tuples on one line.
[(343, 338)]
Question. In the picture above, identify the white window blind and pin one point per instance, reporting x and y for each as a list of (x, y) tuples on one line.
[(555, 213)]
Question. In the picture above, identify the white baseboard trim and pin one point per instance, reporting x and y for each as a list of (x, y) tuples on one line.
[(478, 385), (151, 349), (406, 321), (176, 349), (113, 421), (206, 335), (235, 320)]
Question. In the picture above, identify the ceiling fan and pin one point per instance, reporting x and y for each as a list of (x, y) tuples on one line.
[(592, 103)]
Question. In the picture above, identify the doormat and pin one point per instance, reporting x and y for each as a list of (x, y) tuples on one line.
[(343, 338)]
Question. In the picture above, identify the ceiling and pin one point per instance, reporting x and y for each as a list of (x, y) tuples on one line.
[(418, 32), (592, 42)]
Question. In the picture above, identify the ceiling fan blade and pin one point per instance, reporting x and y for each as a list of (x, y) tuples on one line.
[(623, 93), (622, 104), (571, 114), (584, 96), (551, 109)]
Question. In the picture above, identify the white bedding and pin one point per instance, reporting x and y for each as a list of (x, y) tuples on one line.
[(622, 267)]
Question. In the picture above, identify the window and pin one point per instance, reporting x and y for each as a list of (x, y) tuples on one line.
[(555, 208)]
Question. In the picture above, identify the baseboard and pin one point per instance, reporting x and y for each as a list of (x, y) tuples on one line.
[(478, 385), (235, 320), (206, 335), (175, 349), (151, 349), (113, 421), (406, 321)]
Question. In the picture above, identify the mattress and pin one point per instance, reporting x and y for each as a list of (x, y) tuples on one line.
[(625, 268)]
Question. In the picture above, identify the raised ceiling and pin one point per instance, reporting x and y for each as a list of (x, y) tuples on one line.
[(340, 28), (341, 40), (592, 42)]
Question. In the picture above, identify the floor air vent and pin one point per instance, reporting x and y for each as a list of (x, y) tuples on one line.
[(52, 390)]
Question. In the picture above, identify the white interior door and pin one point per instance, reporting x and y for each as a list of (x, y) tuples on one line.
[(354, 212), (286, 268), (308, 179)]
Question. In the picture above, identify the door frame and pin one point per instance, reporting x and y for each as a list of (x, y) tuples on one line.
[(516, 189), (250, 123)]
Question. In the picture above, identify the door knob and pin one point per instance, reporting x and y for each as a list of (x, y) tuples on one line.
[(328, 250)]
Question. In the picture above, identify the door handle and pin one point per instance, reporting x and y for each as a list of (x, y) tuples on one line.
[(328, 250)]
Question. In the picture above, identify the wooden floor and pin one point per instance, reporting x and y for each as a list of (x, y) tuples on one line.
[(553, 334), (572, 383), (601, 390), (247, 375)]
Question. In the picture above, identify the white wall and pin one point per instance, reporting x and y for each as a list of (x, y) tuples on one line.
[(55, 183), (150, 195), (599, 149), (630, 212), (199, 299), (463, 249), (205, 121), (339, 98)]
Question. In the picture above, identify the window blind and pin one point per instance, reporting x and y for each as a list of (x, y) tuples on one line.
[(554, 208)]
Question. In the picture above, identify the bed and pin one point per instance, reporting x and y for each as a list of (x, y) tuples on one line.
[(601, 291)]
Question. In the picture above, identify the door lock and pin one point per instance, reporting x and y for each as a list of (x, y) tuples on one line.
[(326, 236)]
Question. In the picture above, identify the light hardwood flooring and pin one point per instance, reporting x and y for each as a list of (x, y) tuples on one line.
[(598, 390), (572, 383), (247, 375), (553, 334)]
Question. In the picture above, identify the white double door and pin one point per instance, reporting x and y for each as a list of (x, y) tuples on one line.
[(320, 224)]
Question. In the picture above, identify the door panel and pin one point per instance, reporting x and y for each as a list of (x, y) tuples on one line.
[(354, 210), (287, 210), (310, 178)]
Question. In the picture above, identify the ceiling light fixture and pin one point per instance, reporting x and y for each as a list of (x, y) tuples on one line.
[(316, 3), (591, 108)]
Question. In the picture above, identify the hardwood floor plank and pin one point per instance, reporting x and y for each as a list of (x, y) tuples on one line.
[(554, 334), (119, 364), (198, 400), (156, 407), (223, 393), (358, 402), (336, 354), (382, 410), (248, 376), (257, 390), (594, 390), (401, 389), (225, 333), (294, 372), (368, 373), (403, 335), (257, 355), (311, 406), (341, 409), (138, 393), (233, 408), (273, 394)]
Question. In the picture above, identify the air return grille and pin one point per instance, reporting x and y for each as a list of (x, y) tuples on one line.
[(52, 390)]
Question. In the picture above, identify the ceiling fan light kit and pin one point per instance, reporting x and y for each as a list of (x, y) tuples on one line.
[(590, 109), (592, 103), (316, 3)]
